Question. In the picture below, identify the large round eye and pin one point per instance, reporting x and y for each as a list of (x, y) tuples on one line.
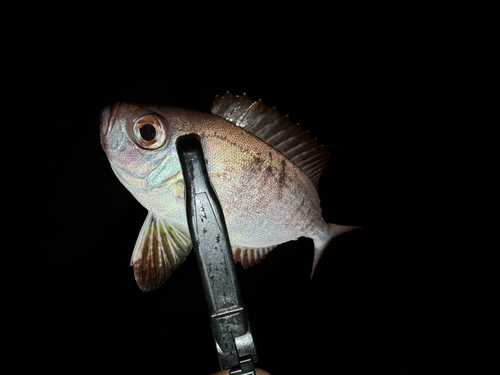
[(149, 132)]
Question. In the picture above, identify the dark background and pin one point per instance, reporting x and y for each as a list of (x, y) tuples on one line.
[(368, 309)]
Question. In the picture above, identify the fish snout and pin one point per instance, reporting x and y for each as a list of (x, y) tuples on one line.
[(105, 116), (108, 117)]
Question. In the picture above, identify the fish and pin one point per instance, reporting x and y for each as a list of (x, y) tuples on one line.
[(264, 168)]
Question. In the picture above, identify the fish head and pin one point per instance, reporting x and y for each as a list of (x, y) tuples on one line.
[(140, 145)]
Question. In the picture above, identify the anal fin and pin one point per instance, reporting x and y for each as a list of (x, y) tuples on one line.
[(249, 256), (159, 250)]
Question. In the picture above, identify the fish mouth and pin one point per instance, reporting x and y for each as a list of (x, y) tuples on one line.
[(108, 117)]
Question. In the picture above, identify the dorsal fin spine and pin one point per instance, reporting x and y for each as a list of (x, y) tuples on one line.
[(309, 166), (250, 116), (285, 141), (266, 116), (274, 129), (299, 149), (288, 134), (304, 157), (277, 135), (267, 128), (316, 169)]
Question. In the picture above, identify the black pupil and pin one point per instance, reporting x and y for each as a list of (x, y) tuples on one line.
[(148, 132)]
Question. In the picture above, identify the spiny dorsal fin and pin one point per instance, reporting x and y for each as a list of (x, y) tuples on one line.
[(274, 129), (159, 250), (249, 256)]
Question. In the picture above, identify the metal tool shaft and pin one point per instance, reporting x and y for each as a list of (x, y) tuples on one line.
[(228, 317)]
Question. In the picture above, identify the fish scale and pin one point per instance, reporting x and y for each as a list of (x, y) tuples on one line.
[(276, 130), (264, 169)]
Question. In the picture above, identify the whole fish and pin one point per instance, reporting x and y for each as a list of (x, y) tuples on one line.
[(264, 169)]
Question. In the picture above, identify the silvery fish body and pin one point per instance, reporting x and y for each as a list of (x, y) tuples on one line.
[(264, 169)]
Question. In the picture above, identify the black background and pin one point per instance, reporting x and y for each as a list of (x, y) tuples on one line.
[(368, 309)]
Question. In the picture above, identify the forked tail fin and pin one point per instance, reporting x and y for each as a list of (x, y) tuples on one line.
[(320, 246)]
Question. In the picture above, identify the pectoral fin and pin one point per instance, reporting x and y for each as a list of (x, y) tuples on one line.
[(159, 250)]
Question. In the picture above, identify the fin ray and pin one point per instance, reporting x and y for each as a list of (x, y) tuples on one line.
[(249, 256), (159, 250), (274, 129)]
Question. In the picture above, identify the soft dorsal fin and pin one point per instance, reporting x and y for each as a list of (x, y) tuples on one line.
[(274, 129), (159, 250)]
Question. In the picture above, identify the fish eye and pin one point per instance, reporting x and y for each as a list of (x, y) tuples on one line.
[(149, 132)]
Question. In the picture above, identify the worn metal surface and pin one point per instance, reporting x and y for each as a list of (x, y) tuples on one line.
[(207, 227)]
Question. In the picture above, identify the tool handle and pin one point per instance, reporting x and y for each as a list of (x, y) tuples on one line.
[(230, 326)]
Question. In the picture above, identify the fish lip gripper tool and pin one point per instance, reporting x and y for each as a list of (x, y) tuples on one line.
[(228, 317)]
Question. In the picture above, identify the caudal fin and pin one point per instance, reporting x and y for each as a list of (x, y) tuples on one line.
[(320, 246)]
